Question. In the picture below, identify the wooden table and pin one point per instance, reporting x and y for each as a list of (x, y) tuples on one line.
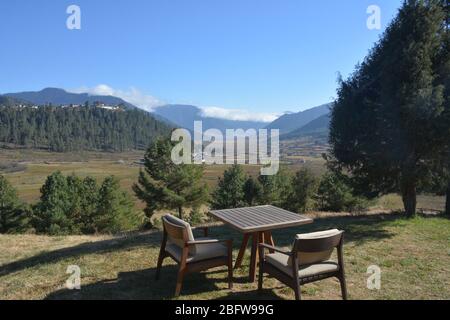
[(258, 223)]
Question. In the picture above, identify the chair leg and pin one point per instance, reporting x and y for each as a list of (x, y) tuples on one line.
[(159, 265), (298, 290), (179, 282), (343, 287), (261, 274), (230, 271)]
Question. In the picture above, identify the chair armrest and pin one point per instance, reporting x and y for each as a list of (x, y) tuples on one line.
[(209, 241), (205, 230), (263, 246)]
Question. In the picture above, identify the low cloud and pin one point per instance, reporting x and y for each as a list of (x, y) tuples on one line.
[(132, 95), (149, 103), (238, 114)]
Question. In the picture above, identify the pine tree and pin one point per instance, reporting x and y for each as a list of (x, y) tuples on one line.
[(304, 188), (386, 113), (230, 189), (164, 185), (13, 217), (252, 191), (276, 188), (89, 204), (115, 210), (52, 213)]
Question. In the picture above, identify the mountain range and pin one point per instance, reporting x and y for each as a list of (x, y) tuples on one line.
[(57, 96), (185, 115), (291, 125), (292, 121), (315, 127)]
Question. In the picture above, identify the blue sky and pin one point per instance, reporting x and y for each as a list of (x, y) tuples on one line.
[(255, 58)]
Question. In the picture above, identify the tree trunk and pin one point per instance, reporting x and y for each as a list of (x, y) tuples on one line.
[(409, 198), (447, 204), (180, 212)]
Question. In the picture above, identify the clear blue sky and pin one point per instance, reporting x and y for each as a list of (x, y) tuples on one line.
[(265, 56)]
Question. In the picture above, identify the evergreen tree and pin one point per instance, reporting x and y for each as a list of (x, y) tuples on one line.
[(304, 188), (79, 128), (230, 189), (383, 127), (13, 217), (70, 205), (115, 210), (252, 191), (443, 72), (334, 194), (89, 203), (276, 188), (165, 185), (75, 211), (52, 213)]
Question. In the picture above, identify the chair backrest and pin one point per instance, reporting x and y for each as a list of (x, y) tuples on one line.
[(316, 247), (178, 231)]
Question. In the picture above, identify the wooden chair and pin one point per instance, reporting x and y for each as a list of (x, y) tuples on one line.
[(193, 255), (308, 261)]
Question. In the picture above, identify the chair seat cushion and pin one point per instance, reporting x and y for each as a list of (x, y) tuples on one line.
[(280, 261), (203, 251)]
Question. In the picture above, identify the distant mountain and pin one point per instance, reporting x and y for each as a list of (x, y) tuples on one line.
[(185, 115), (293, 121), (56, 96), (317, 126), (6, 101)]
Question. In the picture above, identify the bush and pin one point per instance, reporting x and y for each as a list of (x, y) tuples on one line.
[(230, 189), (115, 210), (195, 217), (14, 217), (70, 205), (304, 188), (276, 189), (336, 194), (252, 191)]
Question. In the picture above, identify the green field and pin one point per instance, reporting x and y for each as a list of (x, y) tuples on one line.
[(35, 166), (413, 255)]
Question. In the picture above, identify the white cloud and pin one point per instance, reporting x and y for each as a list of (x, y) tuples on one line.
[(148, 102), (132, 95), (238, 114)]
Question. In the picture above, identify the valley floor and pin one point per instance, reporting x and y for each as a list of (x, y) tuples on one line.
[(413, 255)]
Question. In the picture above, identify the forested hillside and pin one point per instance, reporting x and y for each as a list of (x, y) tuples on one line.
[(82, 128)]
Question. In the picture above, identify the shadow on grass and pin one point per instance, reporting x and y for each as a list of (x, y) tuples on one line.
[(139, 285), (359, 229), (121, 243)]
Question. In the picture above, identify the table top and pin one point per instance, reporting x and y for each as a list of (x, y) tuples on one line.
[(261, 218)]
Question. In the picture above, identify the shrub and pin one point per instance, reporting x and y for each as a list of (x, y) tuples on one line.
[(276, 189), (195, 217), (336, 194), (252, 191), (230, 189), (70, 205), (303, 190), (13, 214)]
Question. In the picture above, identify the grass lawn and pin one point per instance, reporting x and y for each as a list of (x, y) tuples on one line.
[(413, 254)]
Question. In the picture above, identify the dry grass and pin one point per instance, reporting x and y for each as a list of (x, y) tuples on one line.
[(413, 255)]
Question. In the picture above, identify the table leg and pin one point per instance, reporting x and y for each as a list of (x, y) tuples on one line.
[(242, 251), (268, 239), (257, 238)]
